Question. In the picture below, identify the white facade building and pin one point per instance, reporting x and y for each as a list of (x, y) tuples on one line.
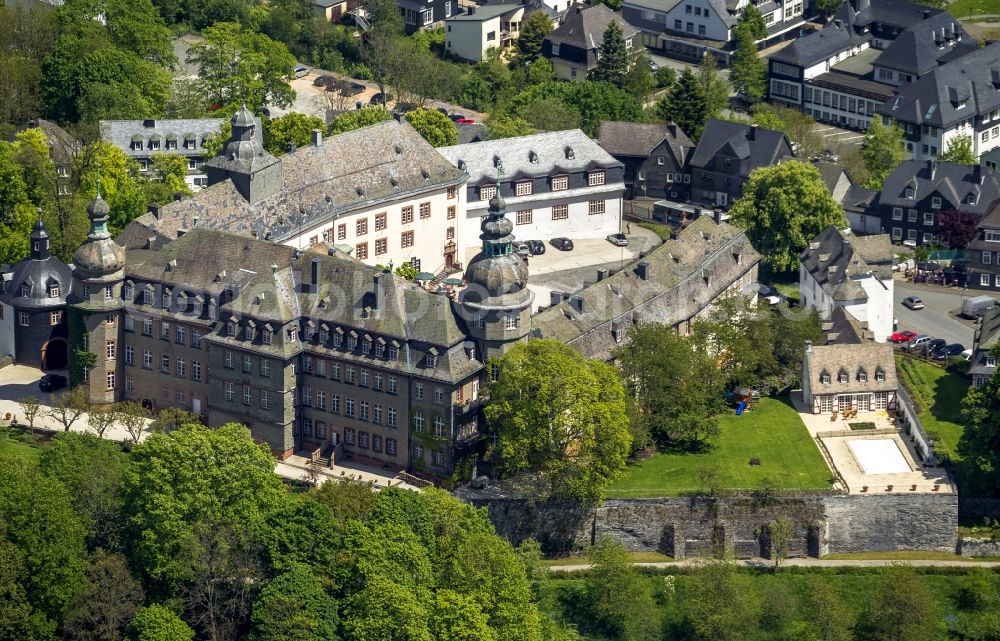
[(471, 34)]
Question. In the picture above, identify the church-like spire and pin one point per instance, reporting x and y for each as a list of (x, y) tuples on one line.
[(39, 239), (497, 229), (98, 212)]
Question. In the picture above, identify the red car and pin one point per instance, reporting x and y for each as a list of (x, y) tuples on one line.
[(903, 337), (465, 121)]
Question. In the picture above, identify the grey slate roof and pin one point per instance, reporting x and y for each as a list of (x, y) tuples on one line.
[(820, 45), (684, 276), (986, 337), (585, 27), (951, 180), (834, 264), (900, 14), (767, 147), (554, 152), (483, 13), (938, 39), (859, 199), (639, 140), (471, 133), (852, 359), (360, 168), (121, 133), (829, 172), (38, 275), (955, 91)]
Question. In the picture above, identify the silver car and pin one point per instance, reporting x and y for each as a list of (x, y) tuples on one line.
[(618, 240)]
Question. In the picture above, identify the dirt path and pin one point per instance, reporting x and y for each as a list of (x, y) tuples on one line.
[(808, 563)]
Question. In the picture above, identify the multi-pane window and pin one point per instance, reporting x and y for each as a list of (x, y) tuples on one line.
[(559, 183), (438, 395), (391, 416), (349, 374), (378, 381), (196, 370), (129, 355), (361, 227), (487, 191), (147, 327), (164, 330), (393, 353), (147, 359), (406, 214), (379, 350), (349, 436), (392, 385), (320, 400), (363, 439), (180, 336), (381, 246), (595, 178), (376, 443), (361, 251), (180, 367), (522, 188), (335, 403), (129, 323), (451, 212), (524, 217), (307, 396), (129, 383), (418, 422), (510, 322), (438, 426), (247, 363), (265, 400), (165, 363), (390, 446), (377, 414), (560, 212), (595, 207), (349, 407), (451, 192), (342, 231), (128, 292), (406, 239), (109, 292), (247, 395), (229, 391), (110, 348), (147, 296), (266, 335), (265, 367), (380, 221), (438, 458), (111, 380), (229, 359), (23, 319), (55, 318), (425, 210), (364, 411)]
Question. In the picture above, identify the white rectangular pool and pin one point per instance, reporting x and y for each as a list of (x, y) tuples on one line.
[(879, 456)]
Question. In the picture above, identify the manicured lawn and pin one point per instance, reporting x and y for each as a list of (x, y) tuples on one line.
[(663, 231), (772, 433), (966, 8), (938, 394), (635, 557), (12, 443)]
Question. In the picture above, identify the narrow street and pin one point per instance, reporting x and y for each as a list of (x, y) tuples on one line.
[(939, 316)]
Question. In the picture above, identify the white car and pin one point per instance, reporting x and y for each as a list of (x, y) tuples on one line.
[(301, 71)]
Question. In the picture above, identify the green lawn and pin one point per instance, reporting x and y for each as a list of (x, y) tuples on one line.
[(772, 433), (938, 394), (663, 231), (966, 8), (15, 443), (635, 557)]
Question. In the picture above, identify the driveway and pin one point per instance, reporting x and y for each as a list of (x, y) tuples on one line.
[(939, 316)]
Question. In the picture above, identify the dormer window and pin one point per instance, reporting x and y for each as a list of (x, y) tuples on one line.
[(352, 342), (487, 191), (991, 361), (393, 353), (231, 328), (147, 296), (249, 333), (266, 335), (862, 376), (430, 360), (523, 188), (154, 144), (560, 183), (595, 178), (366, 346), (292, 334), (379, 350), (824, 378), (879, 375), (25, 290), (935, 202), (842, 377), (128, 292), (908, 192), (338, 340), (324, 336), (165, 300), (54, 290), (970, 199)]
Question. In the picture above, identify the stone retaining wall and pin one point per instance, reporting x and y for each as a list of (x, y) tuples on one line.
[(978, 547)]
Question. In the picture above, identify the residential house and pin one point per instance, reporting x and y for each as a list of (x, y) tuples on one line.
[(469, 35), (674, 284), (558, 183), (862, 214), (335, 10), (983, 363), (654, 155), (426, 14), (380, 193), (573, 47), (960, 98), (689, 29), (141, 140), (861, 377), (915, 193), (845, 71), (983, 252), (834, 273), (726, 154)]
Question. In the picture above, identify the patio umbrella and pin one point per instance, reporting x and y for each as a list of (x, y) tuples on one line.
[(454, 282), (424, 276)]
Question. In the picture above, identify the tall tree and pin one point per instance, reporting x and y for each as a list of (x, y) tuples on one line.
[(358, 118), (593, 101), (827, 7), (722, 604), (458, 617), (295, 606), (714, 86), (748, 73), (901, 608), (955, 228), (800, 128), (613, 63), (158, 623), (102, 161), (17, 213), (979, 444), (883, 150), (959, 150), (109, 603), (534, 28), (385, 611), (782, 208), (292, 128), (685, 105), (560, 415), (752, 21), (381, 44), (500, 125), (618, 596)]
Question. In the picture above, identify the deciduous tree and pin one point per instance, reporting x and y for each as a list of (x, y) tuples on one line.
[(109, 602), (782, 208), (31, 407), (722, 604), (560, 415), (158, 623), (619, 598), (458, 617), (435, 127), (500, 125), (901, 608), (385, 611), (359, 118), (295, 606), (131, 416), (69, 406), (883, 150), (979, 444), (955, 228), (959, 150)]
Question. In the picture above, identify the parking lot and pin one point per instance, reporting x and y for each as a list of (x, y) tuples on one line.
[(939, 317)]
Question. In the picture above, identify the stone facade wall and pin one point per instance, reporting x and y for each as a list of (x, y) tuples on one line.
[(978, 547), (696, 526)]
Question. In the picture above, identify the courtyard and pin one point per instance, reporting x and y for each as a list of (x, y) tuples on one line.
[(769, 442)]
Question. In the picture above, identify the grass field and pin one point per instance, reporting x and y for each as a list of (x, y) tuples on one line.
[(898, 555), (636, 557), (772, 433), (938, 394), (14, 443), (966, 8), (663, 231)]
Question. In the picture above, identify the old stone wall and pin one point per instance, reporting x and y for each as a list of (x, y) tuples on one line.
[(978, 547), (697, 526)]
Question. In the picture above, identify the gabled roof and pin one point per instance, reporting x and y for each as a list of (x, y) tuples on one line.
[(761, 147), (858, 199), (952, 181), (900, 14), (639, 140), (484, 12), (832, 262), (868, 358), (952, 92), (819, 45), (938, 39), (121, 133), (585, 27)]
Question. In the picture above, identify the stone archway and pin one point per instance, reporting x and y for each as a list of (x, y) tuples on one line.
[(55, 354)]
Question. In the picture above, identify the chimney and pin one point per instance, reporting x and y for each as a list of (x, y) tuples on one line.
[(927, 13), (314, 276), (317, 138), (717, 215), (576, 302), (155, 210), (809, 347), (837, 23), (977, 174), (289, 147), (601, 274), (752, 134), (472, 11), (672, 128), (379, 289), (565, 296), (555, 298), (642, 269), (932, 166)]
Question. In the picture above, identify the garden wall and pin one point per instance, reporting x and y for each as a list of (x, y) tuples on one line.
[(978, 547), (695, 526)]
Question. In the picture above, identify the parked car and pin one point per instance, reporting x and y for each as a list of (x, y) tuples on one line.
[(52, 382), (931, 345), (618, 240), (351, 88), (904, 336), (562, 243), (457, 117), (464, 121), (913, 302), (522, 250), (652, 65), (443, 110), (536, 246), (301, 71), (919, 342), (380, 99), (404, 108), (977, 306), (966, 354), (324, 81), (947, 351)]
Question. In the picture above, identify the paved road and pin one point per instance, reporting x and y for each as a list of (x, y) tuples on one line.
[(806, 563), (938, 317)]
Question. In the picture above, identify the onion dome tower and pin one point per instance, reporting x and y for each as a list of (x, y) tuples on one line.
[(95, 312), (35, 292), (496, 301)]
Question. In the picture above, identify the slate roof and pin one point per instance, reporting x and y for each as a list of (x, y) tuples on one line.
[(874, 249), (986, 337), (471, 133), (554, 152), (952, 181), (820, 45), (862, 357), (937, 97), (938, 39), (483, 13), (684, 276), (121, 133), (829, 172), (767, 147), (360, 168), (859, 199), (639, 140), (834, 264), (272, 285), (900, 14), (585, 27), (38, 274)]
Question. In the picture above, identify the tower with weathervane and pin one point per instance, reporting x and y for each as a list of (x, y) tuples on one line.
[(95, 308), (496, 301)]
